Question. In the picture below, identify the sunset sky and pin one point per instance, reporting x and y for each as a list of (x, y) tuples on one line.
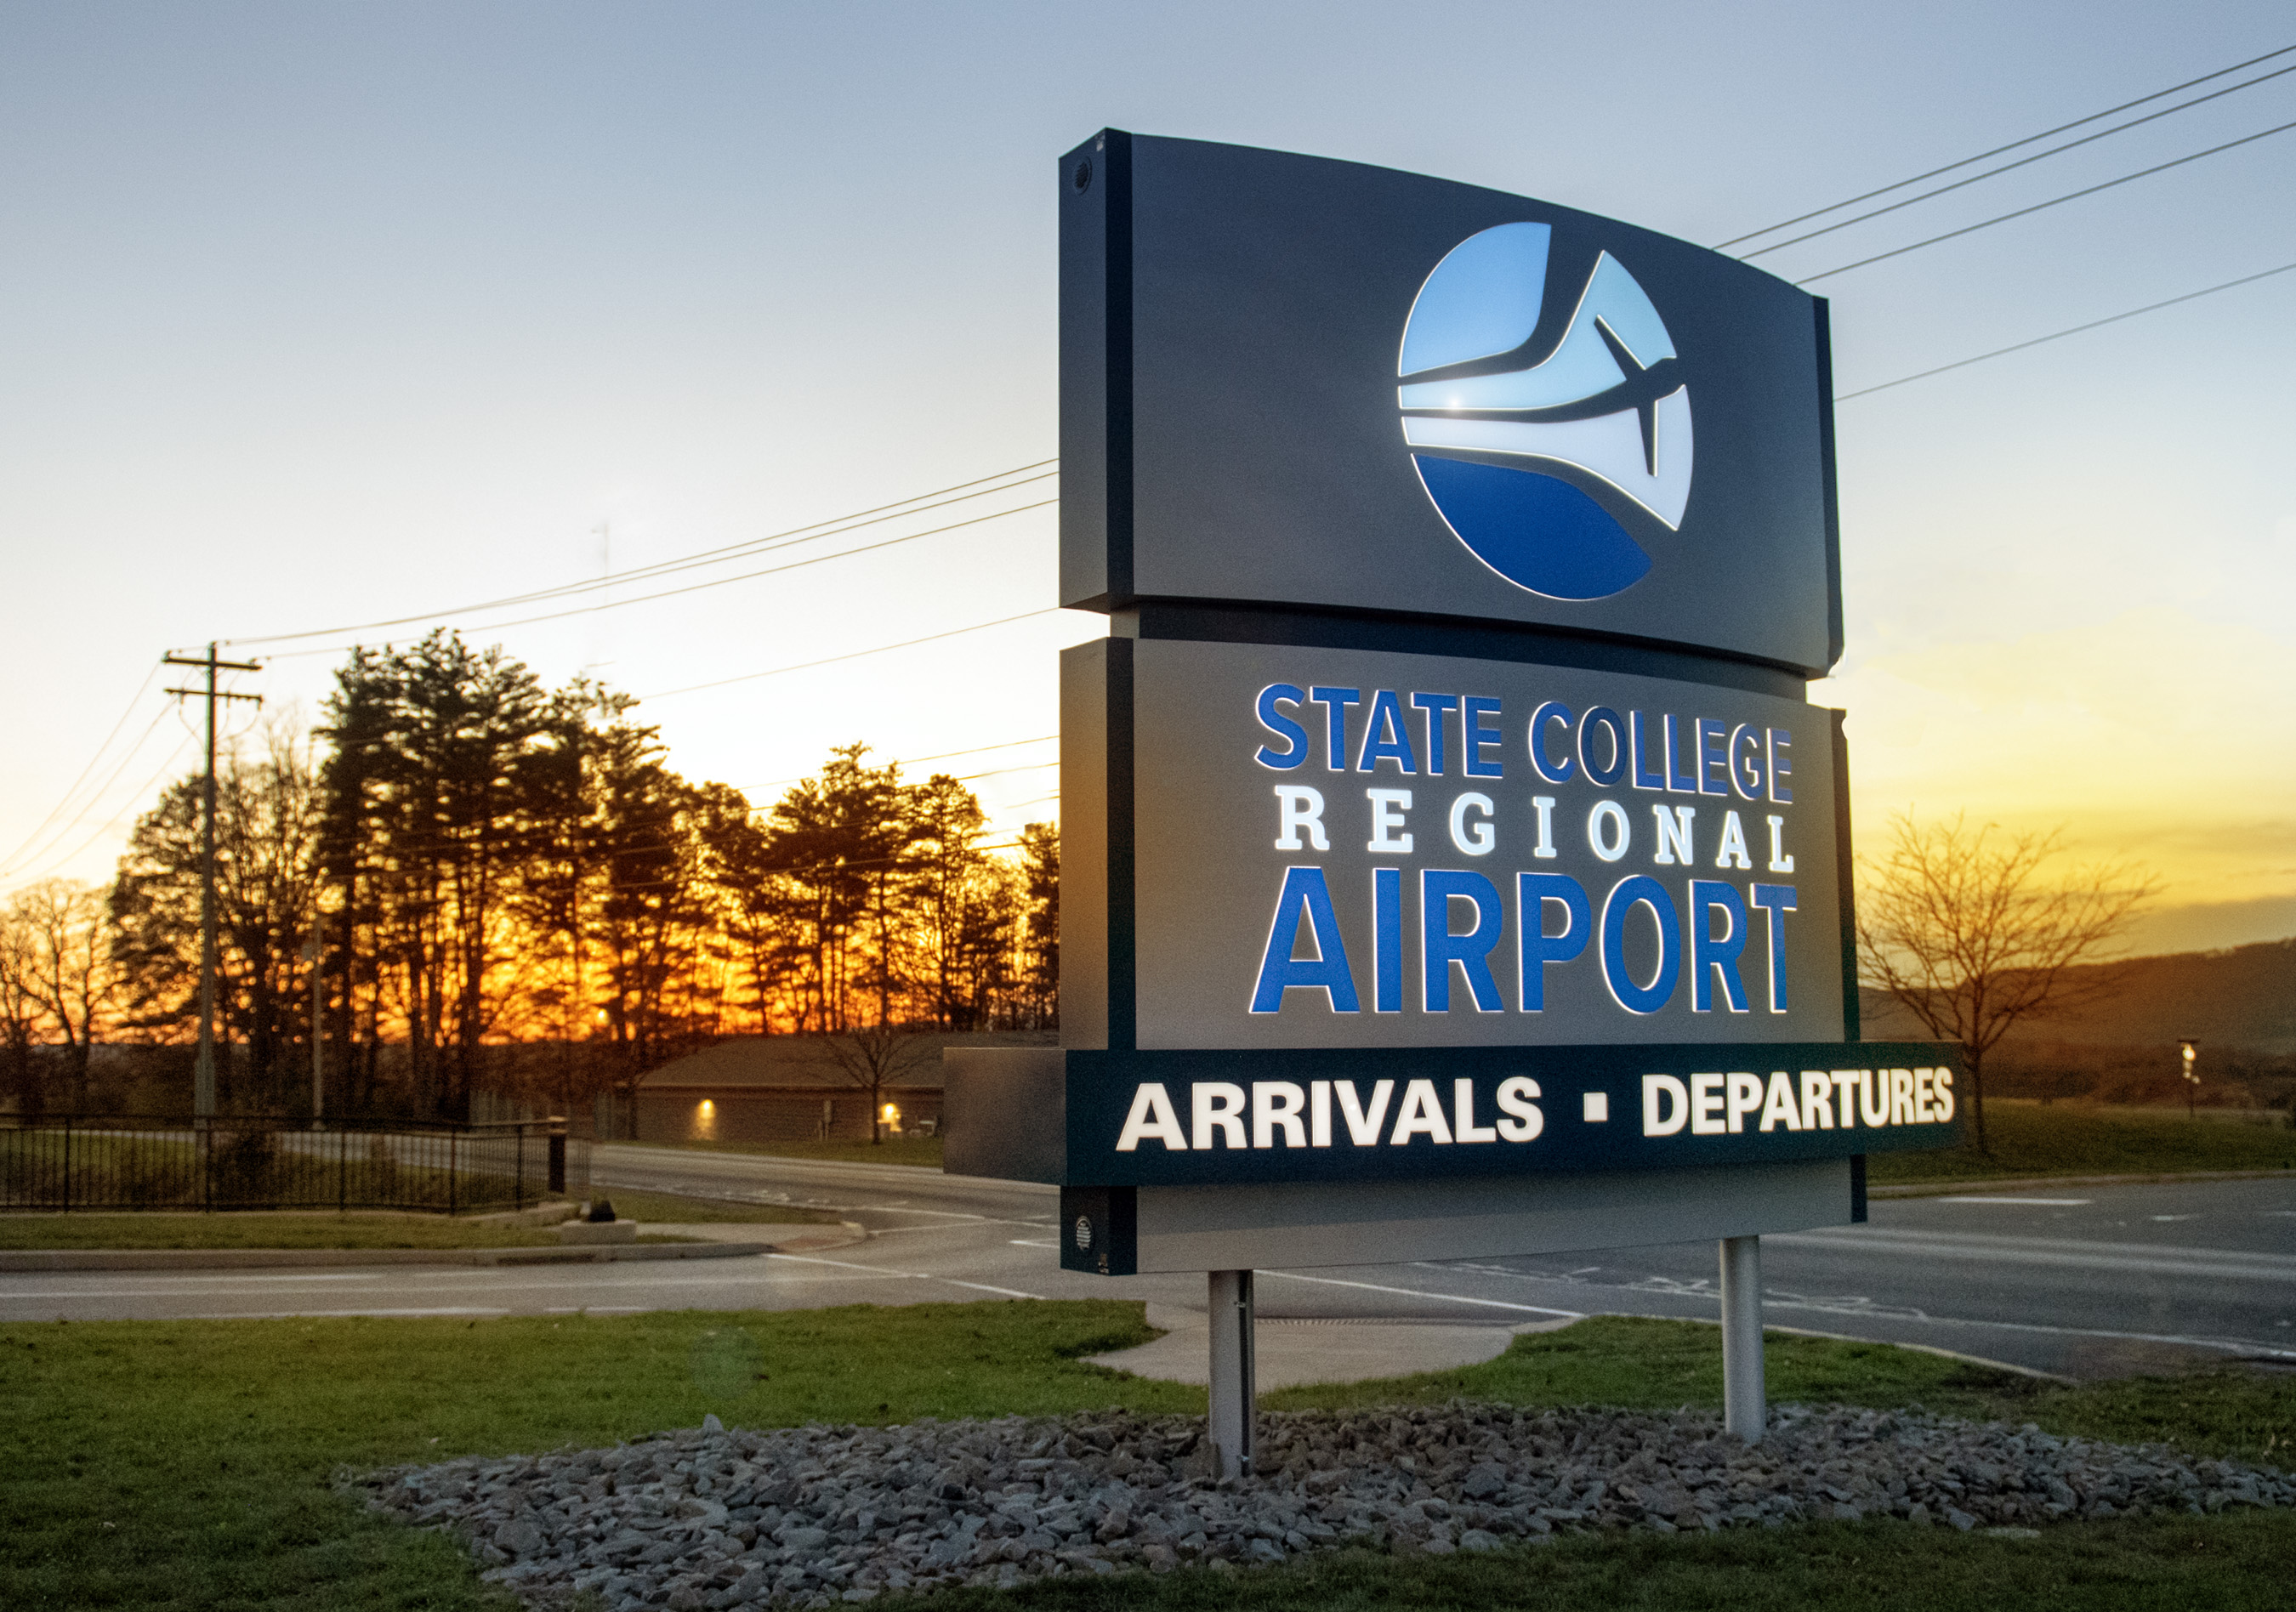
[(323, 316)]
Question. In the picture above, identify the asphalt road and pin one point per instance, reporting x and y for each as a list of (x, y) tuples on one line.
[(2084, 1281)]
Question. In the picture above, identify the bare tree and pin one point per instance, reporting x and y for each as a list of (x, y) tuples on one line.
[(74, 976), (873, 1058), (1966, 930), (21, 1017)]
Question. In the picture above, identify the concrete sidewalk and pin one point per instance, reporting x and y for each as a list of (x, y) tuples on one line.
[(1287, 1353)]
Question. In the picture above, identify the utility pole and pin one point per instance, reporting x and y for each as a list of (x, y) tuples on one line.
[(203, 1072)]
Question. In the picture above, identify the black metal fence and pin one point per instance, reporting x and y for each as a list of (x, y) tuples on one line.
[(241, 1162)]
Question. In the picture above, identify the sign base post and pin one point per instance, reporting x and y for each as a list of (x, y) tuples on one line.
[(1744, 1402), (1232, 1394)]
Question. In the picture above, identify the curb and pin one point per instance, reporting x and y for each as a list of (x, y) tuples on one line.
[(844, 1235), (1986, 1183)]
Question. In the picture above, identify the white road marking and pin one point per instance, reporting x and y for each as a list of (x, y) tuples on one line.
[(978, 1287), (2056, 1203), (1455, 1299)]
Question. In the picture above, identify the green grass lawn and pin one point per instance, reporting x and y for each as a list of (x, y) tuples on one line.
[(185, 1464), (2066, 1138)]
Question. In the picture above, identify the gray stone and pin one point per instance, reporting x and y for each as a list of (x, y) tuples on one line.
[(836, 1513)]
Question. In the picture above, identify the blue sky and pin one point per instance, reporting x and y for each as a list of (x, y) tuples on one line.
[(323, 315)]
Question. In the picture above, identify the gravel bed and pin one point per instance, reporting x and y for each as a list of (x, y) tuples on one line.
[(807, 1516)]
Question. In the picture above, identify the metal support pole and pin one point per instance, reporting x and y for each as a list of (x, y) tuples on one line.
[(1233, 1396), (1744, 1402)]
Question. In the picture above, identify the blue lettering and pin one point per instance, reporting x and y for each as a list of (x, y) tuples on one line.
[(1712, 954), (1387, 940), (1294, 736), (1541, 719), (1532, 892), (1440, 948), (1606, 720), (1384, 738), (1776, 900), (1640, 889), (1335, 702), (1304, 896), (1477, 738), (1436, 706), (1713, 757), (1746, 761)]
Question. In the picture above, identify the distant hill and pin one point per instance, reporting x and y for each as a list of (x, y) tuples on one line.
[(2246, 997)]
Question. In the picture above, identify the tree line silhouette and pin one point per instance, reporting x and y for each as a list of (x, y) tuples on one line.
[(503, 887)]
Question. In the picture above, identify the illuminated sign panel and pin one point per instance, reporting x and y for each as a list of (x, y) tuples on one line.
[(1338, 847), (1444, 811), (1291, 381)]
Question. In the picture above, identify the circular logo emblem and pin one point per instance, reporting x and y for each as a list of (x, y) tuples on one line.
[(1084, 1233), (1545, 428)]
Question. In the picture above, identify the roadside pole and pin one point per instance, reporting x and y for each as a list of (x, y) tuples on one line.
[(1745, 1407), (203, 1071), (1233, 1396)]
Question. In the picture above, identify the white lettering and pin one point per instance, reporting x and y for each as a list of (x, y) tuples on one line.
[(1544, 805), (1319, 1114), (1845, 1086), (1475, 839), (1297, 809), (1609, 843), (1733, 852), (1524, 1121), (1706, 1101), (1219, 1104), (1673, 834), (1943, 1080), (1463, 1113), (1816, 1100), (1780, 863), (1363, 1129), (1874, 1098), (1594, 1108), (1421, 1114), (1387, 809), (1274, 1103), (1665, 1105), (1778, 1108), (1152, 1119), (1745, 1097)]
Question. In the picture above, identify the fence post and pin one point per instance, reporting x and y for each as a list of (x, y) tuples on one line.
[(452, 1183), (342, 1170), (68, 1181), (558, 1159), (518, 1169)]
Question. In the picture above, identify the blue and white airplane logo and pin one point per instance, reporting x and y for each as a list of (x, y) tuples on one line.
[(1606, 402)]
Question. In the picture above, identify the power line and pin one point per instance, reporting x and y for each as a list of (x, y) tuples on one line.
[(26, 854), (872, 516), (1995, 172), (771, 571), (138, 794), (910, 761), (17, 856), (1999, 150), (804, 665), (2091, 190), (2071, 330)]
